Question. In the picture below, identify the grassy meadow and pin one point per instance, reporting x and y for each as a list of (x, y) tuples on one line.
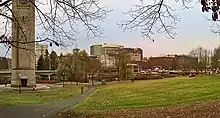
[(151, 94), (12, 98)]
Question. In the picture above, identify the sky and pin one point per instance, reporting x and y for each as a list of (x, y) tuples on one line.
[(193, 31)]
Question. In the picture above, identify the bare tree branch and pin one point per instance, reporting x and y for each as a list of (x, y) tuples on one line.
[(4, 3), (58, 20), (156, 18)]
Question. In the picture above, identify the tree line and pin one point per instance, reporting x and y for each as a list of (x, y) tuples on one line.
[(207, 59), (78, 66), (48, 61)]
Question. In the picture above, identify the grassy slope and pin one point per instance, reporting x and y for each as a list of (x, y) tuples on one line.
[(155, 93), (38, 98)]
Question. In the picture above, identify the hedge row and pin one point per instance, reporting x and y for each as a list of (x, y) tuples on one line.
[(46, 81), (152, 77)]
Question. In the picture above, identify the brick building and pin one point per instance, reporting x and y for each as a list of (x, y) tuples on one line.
[(186, 62), (135, 53), (164, 62), (106, 53), (172, 62)]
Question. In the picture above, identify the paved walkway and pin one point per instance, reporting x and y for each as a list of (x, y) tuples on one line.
[(42, 111)]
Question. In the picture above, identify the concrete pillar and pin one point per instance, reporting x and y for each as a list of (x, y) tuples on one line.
[(23, 35)]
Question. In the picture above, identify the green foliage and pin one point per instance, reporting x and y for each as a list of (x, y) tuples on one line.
[(40, 63), (77, 65), (46, 53), (53, 59), (46, 61), (152, 93), (61, 54), (49, 61), (64, 66)]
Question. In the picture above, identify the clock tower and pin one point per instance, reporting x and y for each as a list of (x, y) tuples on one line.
[(23, 49)]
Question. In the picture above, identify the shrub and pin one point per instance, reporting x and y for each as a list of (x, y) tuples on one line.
[(46, 81)]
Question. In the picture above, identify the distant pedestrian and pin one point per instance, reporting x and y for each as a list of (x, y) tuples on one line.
[(82, 89), (34, 88)]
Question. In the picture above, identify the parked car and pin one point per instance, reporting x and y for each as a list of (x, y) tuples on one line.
[(103, 81), (192, 75)]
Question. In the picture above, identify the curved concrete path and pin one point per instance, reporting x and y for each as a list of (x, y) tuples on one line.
[(42, 111)]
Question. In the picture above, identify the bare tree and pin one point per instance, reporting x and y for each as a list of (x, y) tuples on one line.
[(203, 56), (216, 58), (159, 17), (123, 59), (58, 21), (94, 66)]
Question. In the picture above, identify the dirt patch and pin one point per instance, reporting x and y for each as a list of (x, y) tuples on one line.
[(202, 110)]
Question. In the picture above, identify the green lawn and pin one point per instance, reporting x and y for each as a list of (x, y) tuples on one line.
[(8, 98), (155, 93)]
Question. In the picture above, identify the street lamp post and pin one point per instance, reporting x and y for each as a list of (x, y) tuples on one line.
[(63, 78), (19, 85), (93, 77), (50, 64)]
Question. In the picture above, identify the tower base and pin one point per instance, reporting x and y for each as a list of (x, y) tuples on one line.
[(27, 78)]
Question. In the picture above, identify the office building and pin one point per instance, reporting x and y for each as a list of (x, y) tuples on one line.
[(40, 50), (106, 53), (135, 53), (172, 62)]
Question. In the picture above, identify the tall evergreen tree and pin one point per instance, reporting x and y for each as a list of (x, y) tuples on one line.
[(61, 54), (53, 60), (40, 63), (46, 61)]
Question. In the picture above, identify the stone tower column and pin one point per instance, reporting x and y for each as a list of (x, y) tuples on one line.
[(23, 49)]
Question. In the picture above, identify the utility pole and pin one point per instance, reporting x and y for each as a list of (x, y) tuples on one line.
[(205, 61), (75, 55), (19, 89), (49, 62), (105, 55), (75, 59)]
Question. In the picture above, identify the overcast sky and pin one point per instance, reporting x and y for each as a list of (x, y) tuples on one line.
[(194, 31)]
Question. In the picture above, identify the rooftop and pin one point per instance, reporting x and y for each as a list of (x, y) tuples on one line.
[(112, 45)]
